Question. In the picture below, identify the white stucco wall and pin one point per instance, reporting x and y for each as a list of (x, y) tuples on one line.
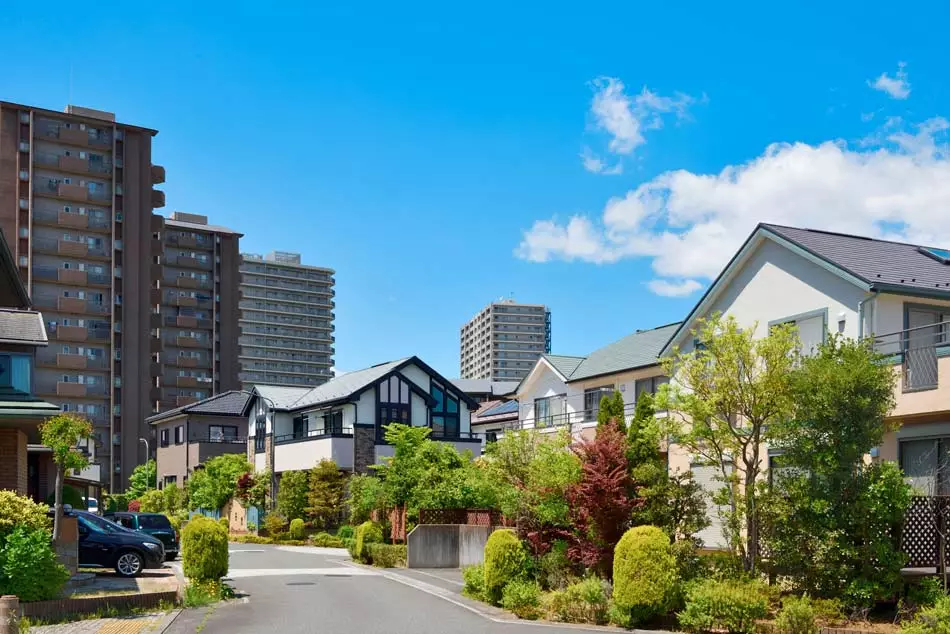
[(306, 454), (366, 410), (417, 376), (419, 412), (544, 382)]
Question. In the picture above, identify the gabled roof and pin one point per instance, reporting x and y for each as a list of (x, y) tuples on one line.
[(23, 327), (637, 350), (563, 363), (233, 403), (485, 386)]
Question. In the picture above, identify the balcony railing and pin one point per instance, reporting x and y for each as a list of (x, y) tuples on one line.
[(70, 276), (219, 439), (71, 247), (64, 332), (319, 431), (203, 242), (51, 357), (71, 219), (72, 304), (917, 351)]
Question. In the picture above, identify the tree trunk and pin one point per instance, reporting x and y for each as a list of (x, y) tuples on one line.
[(58, 503), (752, 526)]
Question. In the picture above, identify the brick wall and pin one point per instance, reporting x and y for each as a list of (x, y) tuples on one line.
[(13, 460)]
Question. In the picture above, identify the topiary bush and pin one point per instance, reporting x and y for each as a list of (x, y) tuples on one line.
[(296, 528), (21, 511), (29, 567), (523, 598), (366, 533), (586, 601), (474, 578), (387, 555), (732, 606), (345, 532), (505, 559), (204, 545), (796, 617), (644, 574)]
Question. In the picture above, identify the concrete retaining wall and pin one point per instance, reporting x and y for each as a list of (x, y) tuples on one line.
[(447, 545)]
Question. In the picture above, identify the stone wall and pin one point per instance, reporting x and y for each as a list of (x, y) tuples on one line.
[(67, 547), (364, 441), (13, 460)]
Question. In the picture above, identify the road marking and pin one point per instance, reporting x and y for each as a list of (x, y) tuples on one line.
[(314, 550), (244, 573), (429, 574), (249, 550)]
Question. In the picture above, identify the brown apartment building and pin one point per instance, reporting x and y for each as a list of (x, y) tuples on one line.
[(77, 200), (199, 311)]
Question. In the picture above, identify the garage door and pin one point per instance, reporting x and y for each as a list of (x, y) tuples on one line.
[(710, 479)]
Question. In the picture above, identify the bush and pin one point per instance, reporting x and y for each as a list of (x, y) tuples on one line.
[(225, 524), (926, 592), (474, 578), (935, 620), (586, 601), (644, 573), (251, 539), (204, 545), (326, 540), (296, 528), (21, 511), (274, 524), (387, 555), (555, 570), (345, 532), (71, 497), (134, 506), (29, 567), (152, 501), (366, 533), (796, 617), (732, 606), (505, 558), (523, 598), (828, 611), (350, 544)]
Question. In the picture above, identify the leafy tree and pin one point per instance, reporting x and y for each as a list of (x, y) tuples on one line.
[(602, 500), (152, 502), (211, 486), (832, 529), (325, 494), (727, 396), (612, 411), (364, 495), (175, 498), (292, 493), (61, 433), (253, 489), (142, 479), (401, 471)]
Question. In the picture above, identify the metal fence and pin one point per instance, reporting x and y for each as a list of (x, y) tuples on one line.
[(916, 350)]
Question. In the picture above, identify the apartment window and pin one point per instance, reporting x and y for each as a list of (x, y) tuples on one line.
[(222, 433), (445, 412), (163, 437), (179, 434), (394, 402), (592, 398)]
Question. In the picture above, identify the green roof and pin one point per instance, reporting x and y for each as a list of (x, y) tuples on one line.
[(642, 348), (563, 363), (11, 409)]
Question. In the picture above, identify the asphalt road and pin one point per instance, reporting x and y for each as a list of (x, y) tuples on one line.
[(293, 590)]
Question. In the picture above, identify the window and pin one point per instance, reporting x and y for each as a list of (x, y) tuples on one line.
[(163, 438), (260, 429), (394, 403), (650, 385), (491, 436), (300, 425), (812, 328), (549, 410), (15, 371), (222, 433), (179, 434), (330, 423), (926, 465), (592, 398), (445, 412)]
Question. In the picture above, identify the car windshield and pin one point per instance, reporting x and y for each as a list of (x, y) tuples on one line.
[(154, 521), (100, 525)]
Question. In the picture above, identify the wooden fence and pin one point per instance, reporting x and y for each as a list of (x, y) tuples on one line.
[(925, 530), (465, 517)]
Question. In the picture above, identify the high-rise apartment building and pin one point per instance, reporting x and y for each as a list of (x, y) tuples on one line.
[(504, 340), (76, 203), (199, 311), (286, 321)]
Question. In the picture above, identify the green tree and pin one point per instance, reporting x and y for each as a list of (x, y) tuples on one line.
[(141, 480), (211, 486), (292, 493), (400, 472), (253, 489), (612, 411), (364, 495), (327, 486), (729, 393), (62, 434), (831, 531), (175, 498)]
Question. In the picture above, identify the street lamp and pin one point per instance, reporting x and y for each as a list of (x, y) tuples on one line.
[(147, 454)]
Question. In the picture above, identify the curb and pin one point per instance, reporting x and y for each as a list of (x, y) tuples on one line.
[(166, 622)]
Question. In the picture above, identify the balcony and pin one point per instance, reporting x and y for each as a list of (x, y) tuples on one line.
[(304, 451), (71, 220), (71, 304), (186, 341), (187, 321), (188, 262), (188, 241), (921, 359), (70, 389), (79, 334), (72, 248), (72, 135), (158, 199), (158, 174), (48, 358)]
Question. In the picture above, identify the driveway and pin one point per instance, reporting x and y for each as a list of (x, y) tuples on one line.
[(295, 590)]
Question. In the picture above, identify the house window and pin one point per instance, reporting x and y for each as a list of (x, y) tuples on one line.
[(300, 425), (811, 328), (445, 413), (170, 479), (222, 433), (15, 371), (179, 434), (491, 437), (549, 410), (650, 386), (163, 437), (592, 398), (394, 403), (330, 423), (926, 465), (260, 429)]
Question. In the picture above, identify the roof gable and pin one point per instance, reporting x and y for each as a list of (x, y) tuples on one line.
[(231, 403), (636, 350)]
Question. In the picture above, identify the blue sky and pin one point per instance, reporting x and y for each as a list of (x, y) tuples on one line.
[(434, 155)]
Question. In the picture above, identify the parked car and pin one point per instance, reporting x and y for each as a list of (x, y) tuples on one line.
[(105, 544), (154, 524), (92, 505)]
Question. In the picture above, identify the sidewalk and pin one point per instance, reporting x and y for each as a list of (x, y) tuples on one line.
[(146, 624)]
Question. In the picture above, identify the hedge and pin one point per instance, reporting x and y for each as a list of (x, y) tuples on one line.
[(387, 555), (204, 544), (366, 533)]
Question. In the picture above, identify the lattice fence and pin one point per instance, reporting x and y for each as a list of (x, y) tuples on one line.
[(925, 527), (466, 517)]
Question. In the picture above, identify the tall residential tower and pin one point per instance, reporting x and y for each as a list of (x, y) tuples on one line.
[(286, 321), (503, 341)]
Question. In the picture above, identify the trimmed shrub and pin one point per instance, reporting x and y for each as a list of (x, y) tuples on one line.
[(586, 601), (387, 555), (71, 497), (152, 501), (644, 574), (21, 511), (732, 606), (505, 558), (345, 532), (204, 545), (29, 567), (296, 528), (796, 617), (829, 612), (274, 524), (326, 540), (474, 578), (935, 620), (350, 544), (523, 598), (366, 533), (225, 524)]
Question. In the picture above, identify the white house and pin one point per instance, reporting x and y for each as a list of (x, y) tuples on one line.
[(295, 428)]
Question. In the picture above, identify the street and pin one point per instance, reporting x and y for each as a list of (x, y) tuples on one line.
[(295, 590)]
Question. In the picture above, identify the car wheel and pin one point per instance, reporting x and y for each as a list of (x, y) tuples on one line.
[(129, 564)]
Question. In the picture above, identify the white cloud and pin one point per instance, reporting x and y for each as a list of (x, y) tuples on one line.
[(897, 86), (624, 118), (674, 289), (894, 184)]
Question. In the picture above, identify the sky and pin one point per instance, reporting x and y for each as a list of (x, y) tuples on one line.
[(605, 159)]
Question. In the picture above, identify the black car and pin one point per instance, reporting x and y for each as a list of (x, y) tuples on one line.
[(154, 524), (106, 544)]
